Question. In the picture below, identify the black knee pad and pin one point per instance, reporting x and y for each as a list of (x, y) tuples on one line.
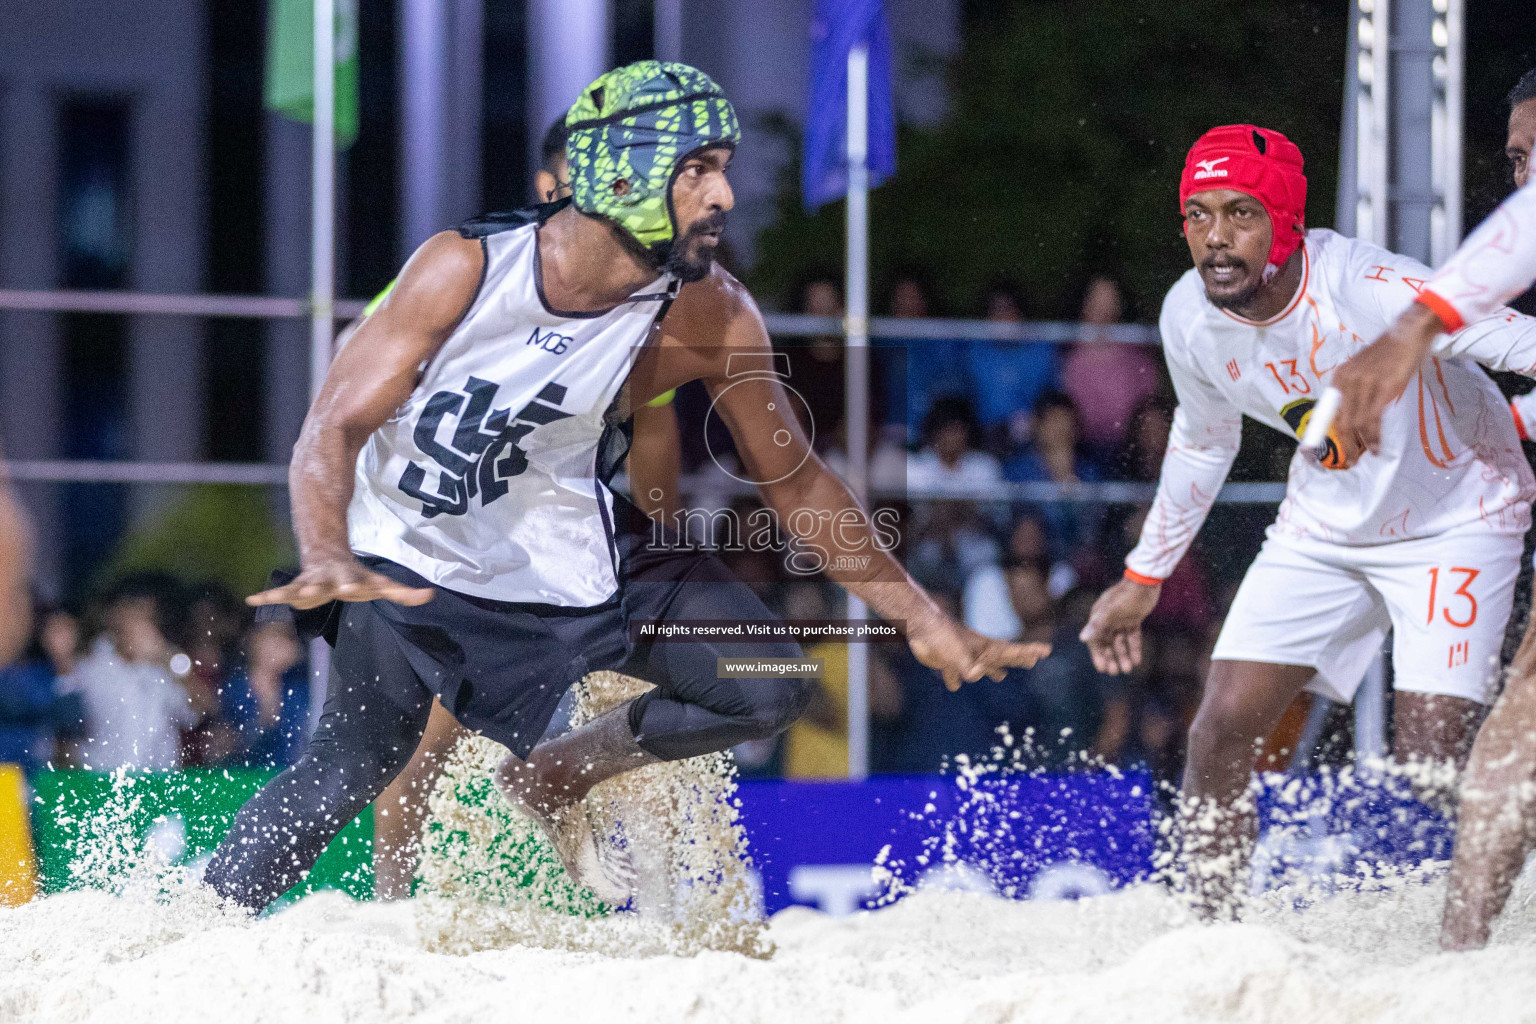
[(777, 703)]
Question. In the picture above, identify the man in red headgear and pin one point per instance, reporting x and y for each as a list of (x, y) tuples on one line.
[(1422, 537)]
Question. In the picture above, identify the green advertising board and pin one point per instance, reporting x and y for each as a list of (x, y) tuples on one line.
[(89, 826)]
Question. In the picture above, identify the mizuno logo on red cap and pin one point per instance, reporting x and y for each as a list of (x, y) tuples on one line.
[(1208, 168)]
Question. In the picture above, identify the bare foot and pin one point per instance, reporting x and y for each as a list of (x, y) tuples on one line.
[(598, 865), (1461, 937)]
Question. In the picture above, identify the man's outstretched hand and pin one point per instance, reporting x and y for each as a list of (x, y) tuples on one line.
[(1377, 375), (1113, 633), (341, 579), (962, 655)]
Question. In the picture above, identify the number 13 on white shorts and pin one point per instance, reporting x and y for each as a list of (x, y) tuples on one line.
[(1445, 600)]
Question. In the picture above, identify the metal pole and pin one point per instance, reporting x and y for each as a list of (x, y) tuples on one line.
[(322, 264), (1370, 711), (794, 325), (667, 29), (856, 399), (1456, 59), (1448, 68), (257, 307), (1412, 135), (567, 49), (424, 107), (323, 202), (1373, 217), (467, 103), (1348, 199)]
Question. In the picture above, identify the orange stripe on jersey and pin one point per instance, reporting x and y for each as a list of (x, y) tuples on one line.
[(1442, 309), (1146, 581), (1318, 340), (1441, 376), (1445, 445), (1439, 462)]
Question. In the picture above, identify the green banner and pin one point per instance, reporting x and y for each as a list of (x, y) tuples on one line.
[(290, 85), (90, 827)]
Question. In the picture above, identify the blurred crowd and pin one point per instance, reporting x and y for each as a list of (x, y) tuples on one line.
[(160, 673), (155, 674), (968, 415)]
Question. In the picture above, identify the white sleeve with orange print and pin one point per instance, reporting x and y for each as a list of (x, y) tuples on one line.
[(1523, 408), (1495, 263), (1500, 339), (1207, 430)]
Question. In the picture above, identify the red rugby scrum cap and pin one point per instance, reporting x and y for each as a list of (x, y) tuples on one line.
[(1260, 162)]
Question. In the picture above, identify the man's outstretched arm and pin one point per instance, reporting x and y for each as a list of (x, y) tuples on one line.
[(1464, 299), (1202, 445), (1496, 263), (820, 509), (372, 376)]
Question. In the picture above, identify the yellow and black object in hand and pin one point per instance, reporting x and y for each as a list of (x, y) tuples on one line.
[(1334, 452)]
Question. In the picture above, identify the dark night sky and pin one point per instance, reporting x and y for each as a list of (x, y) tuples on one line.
[(1500, 47)]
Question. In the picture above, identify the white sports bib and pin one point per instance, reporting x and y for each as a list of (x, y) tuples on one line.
[(485, 481)]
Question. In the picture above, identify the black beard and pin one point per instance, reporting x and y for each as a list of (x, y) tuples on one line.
[(1238, 300), (688, 268), (685, 268), (1235, 302)]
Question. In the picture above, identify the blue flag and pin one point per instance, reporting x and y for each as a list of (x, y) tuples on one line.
[(836, 27)]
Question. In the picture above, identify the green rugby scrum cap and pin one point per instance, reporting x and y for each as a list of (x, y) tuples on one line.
[(636, 124)]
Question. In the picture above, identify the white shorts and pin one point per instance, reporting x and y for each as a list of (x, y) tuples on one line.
[(1447, 600)]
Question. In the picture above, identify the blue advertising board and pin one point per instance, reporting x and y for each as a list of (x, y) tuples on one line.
[(839, 846), (816, 843)]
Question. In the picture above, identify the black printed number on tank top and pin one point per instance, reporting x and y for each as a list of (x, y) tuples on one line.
[(481, 453)]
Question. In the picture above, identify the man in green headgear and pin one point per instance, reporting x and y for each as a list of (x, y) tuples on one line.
[(458, 536)]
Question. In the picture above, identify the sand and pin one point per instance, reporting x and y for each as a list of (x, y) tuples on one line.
[(160, 951), (935, 957)]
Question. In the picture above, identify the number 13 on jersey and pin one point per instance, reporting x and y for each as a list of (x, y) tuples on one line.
[(1294, 380), (1460, 608)]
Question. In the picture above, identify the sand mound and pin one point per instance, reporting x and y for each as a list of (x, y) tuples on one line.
[(491, 880), (935, 957)]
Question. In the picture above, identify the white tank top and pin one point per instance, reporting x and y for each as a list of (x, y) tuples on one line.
[(486, 481)]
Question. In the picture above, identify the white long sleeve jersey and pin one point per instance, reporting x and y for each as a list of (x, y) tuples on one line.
[(1449, 457)]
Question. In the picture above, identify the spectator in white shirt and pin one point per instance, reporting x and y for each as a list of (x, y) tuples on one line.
[(131, 681), (949, 457)]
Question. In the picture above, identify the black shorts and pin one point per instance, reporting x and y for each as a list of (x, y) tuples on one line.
[(501, 667)]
